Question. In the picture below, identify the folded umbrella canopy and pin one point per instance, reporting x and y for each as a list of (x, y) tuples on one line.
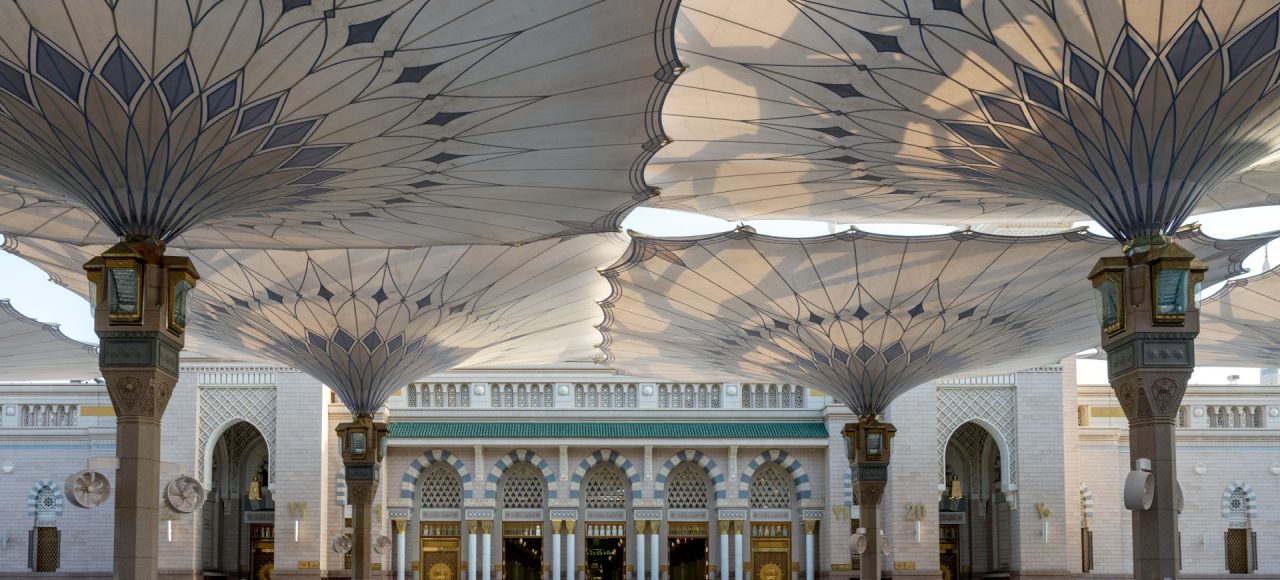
[(31, 350)]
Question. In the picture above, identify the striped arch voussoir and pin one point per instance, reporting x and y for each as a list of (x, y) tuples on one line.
[(1250, 496), (35, 492), (1086, 500), (692, 456), (799, 476), (512, 458), (608, 456), (409, 481)]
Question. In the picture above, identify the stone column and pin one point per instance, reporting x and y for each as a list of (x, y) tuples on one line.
[(655, 565), (472, 527), (642, 529), (737, 551), (140, 335), (870, 476), (571, 563), (725, 554), (486, 529), (1150, 357), (555, 548), (361, 454), (400, 526), (809, 526)]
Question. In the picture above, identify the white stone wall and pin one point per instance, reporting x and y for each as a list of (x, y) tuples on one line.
[(913, 476), (302, 442)]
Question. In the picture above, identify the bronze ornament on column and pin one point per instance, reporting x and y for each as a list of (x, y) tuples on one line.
[(867, 443), (1149, 316), (361, 456), (139, 301)]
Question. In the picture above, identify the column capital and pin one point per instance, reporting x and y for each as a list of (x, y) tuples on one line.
[(810, 526), (400, 526), (139, 393)]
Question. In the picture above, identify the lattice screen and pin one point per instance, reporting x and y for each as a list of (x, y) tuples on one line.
[(770, 487), (606, 487), (441, 488), (688, 487), (525, 487)]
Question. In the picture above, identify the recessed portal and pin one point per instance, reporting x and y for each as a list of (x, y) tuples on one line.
[(522, 550), (687, 551), (606, 558)]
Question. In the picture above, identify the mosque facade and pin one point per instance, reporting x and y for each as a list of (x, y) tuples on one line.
[(575, 472)]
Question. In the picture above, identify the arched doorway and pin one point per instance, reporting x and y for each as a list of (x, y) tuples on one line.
[(439, 522), (771, 494), (238, 518), (606, 496), (522, 494), (689, 497), (974, 520)]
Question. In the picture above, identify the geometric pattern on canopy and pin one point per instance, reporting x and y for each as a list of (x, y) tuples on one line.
[(1134, 113), (31, 350), (307, 124), (863, 317), (366, 322)]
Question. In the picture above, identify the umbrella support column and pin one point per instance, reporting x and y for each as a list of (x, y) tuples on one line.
[(1150, 321), (361, 457), (139, 308), (867, 443)]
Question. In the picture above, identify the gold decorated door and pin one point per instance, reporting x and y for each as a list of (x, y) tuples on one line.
[(949, 551), (771, 551), (440, 559), (262, 551)]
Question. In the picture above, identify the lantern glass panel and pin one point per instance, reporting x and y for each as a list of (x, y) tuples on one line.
[(1171, 291), (875, 446), (1106, 298), (123, 290), (181, 296)]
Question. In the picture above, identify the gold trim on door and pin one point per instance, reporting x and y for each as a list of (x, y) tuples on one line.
[(440, 558), (770, 551)]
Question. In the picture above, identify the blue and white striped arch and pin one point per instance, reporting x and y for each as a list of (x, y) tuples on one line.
[(799, 476), (1086, 501), (340, 487), (512, 458), (693, 456), (409, 482), (34, 494), (609, 456), (1250, 497)]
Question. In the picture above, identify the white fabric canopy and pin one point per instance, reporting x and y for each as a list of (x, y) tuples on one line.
[(862, 317), (1134, 113), (299, 124), (31, 350), (366, 322)]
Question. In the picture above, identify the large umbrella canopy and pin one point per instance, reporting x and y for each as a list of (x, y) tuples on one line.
[(31, 350), (300, 124), (366, 322), (1131, 112), (862, 317)]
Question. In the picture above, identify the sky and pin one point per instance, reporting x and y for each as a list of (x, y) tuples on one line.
[(29, 290)]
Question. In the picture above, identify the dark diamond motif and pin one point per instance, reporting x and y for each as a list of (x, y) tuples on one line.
[(822, 359), (58, 70), (894, 351), (1131, 60), (780, 324), (413, 347), (999, 319), (444, 118), (457, 309), (881, 42), (978, 135), (343, 340), (804, 362), (424, 302), (837, 132), (290, 134), (424, 183), (1042, 92), (258, 115), (916, 310), (413, 74), (371, 340), (13, 82), (919, 354), (861, 313), (239, 302), (380, 296), (846, 159), (287, 5), (966, 313), (317, 341), (754, 333), (365, 32), (324, 293), (272, 295), (814, 318), (395, 343), (1003, 111), (443, 157), (842, 91), (840, 355), (1254, 44), (220, 99), (1083, 75), (864, 353), (311, 156), (297, 344), (1188, 50), (121, 75), (176, 85), (948, 5)]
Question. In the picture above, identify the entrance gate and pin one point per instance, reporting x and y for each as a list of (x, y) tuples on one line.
[(440, 551), (262, 551), (522, 550), (687, 550), (607, 551), (771, 551)]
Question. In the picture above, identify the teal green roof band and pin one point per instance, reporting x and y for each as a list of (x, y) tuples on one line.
[(473, 430)]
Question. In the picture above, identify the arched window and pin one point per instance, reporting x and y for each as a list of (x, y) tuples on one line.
[(770, 487), (688, 487), (441, 488), (525, 487), (46, 506), (1238, 508), (606, 487)]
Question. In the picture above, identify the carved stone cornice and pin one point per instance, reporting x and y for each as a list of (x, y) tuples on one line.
[(139, 393)]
